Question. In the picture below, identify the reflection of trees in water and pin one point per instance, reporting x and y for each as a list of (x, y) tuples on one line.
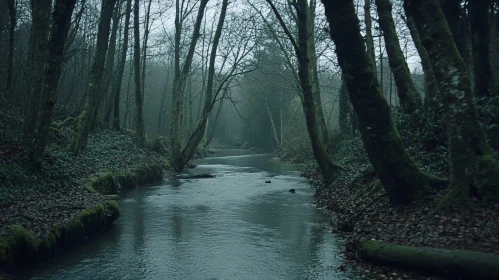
[(138, 235), (176, 223), (291, 223)]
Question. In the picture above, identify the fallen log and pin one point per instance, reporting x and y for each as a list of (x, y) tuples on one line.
[(459, 264)]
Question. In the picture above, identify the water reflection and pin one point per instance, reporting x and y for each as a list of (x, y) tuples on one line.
[(234, 226)]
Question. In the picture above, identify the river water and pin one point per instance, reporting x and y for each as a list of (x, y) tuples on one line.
[(234, 226)]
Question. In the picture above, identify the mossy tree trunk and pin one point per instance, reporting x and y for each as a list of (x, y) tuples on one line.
[(406, 90), (179, 82), (432, 92), (480, 31), (473, 169), (109, 74), (40, 15), (401, 178), (61, 21), (344, 108), (452, 13), (302, 51), (198, 134), (457, 264), (79, 141), (139, 121), (121, 68)]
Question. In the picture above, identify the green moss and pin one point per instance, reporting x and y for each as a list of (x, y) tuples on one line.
[(368, 247), (104, 183), (114, 209), (17, 247)]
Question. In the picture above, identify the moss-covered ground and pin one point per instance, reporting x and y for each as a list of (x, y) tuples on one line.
[(64, 203)]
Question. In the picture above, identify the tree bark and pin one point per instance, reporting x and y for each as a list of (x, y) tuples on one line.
[(139, 121), (314, 78), (473, 169), (452, 12), (456, 264), (344, 108), (178, 157), (198, 134), (369, 32), (110, 65), (40, 13), (407, 92), (144, 46), (213, 123), (10, 58), (432, 92), (79, 141), (61, 21), (480, 31), (121, 68), (401, 178)]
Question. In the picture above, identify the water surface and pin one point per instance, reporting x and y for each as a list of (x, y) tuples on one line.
[(234, 226)]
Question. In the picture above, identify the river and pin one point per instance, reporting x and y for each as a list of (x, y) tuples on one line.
[(234, 226)]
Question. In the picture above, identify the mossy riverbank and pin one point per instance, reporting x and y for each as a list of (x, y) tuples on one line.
[(67, 201)]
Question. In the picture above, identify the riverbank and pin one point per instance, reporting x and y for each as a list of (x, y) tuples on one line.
[(360, 210), (67, 201)]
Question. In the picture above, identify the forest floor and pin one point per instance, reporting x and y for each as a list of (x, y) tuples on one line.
[(360, 210), (40, 199)]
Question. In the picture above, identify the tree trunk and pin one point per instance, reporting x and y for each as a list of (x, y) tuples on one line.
[(343, 108), (139, 121), (79, 141), (198, 134), (10, 58), (456, 264), (309, 104), (401, 178), (369, 32), (272, 124), (407, 92), (40, 13), (179, 158), (213, 123), (61, 21), (110, 65), (121, 68), (480, 30), (314, 78), (302, 51), (452, 12), (144, 46), (162, 105), (432, 92), (473, 169)]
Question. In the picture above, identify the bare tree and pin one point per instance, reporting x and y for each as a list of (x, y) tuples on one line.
[(79, 141), (61, 21), (181, 77), (139, 121), (406, 89), (302, 52)]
